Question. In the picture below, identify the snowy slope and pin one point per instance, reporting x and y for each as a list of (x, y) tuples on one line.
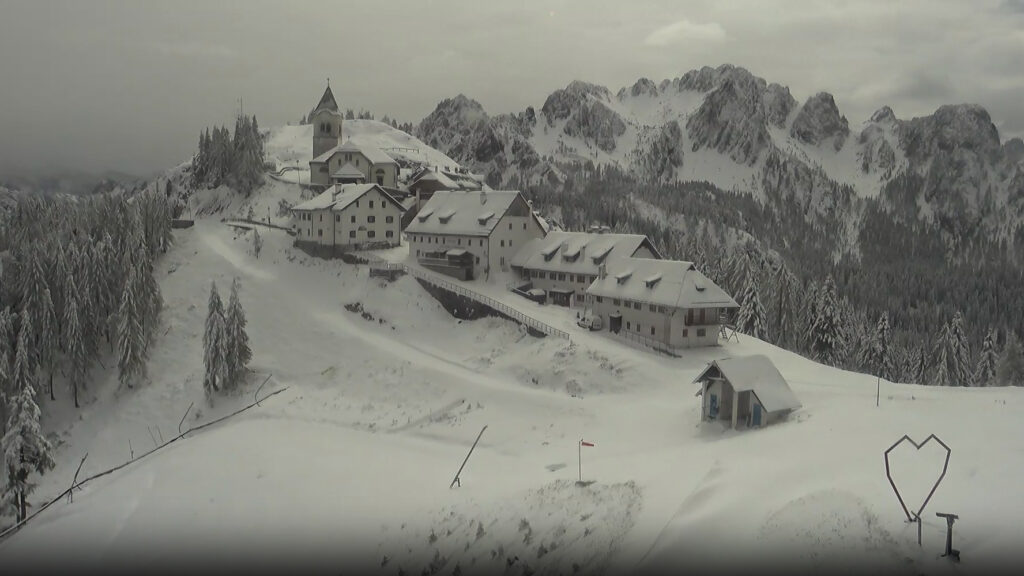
[(349, 468)]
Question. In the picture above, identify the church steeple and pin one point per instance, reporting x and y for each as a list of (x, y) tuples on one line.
[(326, 120), (327, 101)]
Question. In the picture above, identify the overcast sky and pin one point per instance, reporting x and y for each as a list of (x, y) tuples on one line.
[(95, 85)]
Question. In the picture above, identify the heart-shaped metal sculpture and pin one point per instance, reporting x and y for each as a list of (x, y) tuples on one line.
[(888, 474)]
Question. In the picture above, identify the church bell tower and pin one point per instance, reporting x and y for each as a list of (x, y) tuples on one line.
[(326, 120)]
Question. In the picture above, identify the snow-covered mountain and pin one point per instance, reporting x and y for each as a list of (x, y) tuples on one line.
[(731, 128)]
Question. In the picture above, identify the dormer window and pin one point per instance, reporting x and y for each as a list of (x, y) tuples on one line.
[(424, 215), (483, 218), (445, 216), (622, 277), (653, 280)]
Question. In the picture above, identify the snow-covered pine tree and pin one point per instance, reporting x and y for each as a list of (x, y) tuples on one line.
[(74, 345), (237, 340), (808, 314), (131, 342), (257, 243), (828, 333), (784, 286), (751, 317), (943, 358), (49, 338), (881, 357), (1010, 371), (5, 366), (25, 448), (214, 346), (961, 351), (988, 360)]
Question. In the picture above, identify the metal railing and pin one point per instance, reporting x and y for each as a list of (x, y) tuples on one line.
[(378, 263), (648, 343)]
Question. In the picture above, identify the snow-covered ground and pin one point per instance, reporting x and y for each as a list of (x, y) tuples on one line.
[(349, 468)]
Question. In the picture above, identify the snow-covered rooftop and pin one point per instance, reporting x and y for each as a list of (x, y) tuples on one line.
[(461, 212), (578, 252), (372, 153), (757, 374), (339, 197), (679, 284)]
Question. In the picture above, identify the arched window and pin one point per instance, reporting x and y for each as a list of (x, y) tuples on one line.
[(380, 176)]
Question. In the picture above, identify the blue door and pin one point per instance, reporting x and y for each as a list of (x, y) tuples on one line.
[(713, 407), (757, 414)]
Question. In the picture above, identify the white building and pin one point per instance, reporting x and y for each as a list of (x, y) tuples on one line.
[(341, 163), (471, 234), (666, 301), (564, 264), (347, 217)]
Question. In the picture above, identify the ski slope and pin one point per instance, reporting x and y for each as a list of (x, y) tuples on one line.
[(348, 469)]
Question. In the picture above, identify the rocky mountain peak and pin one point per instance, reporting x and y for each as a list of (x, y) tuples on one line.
[(819, 120), (643, 86), (1013, 149), (587, 116), (883, 115), (954, 127)]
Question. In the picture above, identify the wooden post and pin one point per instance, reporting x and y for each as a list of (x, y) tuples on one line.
[(579, 449), (878, 389)]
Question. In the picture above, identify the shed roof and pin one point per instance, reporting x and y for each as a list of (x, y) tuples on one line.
[(582, 252), (757, 374), (672, 283), (461, 213)]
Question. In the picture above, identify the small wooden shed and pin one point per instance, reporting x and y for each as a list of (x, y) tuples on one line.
[(747, 391)]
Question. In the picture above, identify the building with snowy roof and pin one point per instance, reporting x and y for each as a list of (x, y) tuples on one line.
[(565, 264), (348, 217), (335, 162), (470, 234), (666, 303), (747, 391)]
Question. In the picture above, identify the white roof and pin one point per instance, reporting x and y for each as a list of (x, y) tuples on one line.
[(339, 197), (373, 154), (460, 213), (582, 252), (757, 374), (672, 283)]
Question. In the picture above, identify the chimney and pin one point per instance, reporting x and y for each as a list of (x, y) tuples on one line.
[(565, 246), (583, 251), (601, 271), (483, 197)]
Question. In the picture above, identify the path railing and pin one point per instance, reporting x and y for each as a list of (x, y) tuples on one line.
[(648, 343), (378, 263)]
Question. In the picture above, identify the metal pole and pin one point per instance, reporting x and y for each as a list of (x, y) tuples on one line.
[(579, 449), (456, 479), (878, 388)]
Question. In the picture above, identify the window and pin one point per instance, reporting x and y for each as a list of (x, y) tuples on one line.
[(502, 243), (351, 233), (477, 259), (371, 234), (389, 219), (629, 326), (460, 241), (481, 241), (542, 275), (323, 168), (524, 225), (652, 308), (502, 261), (320, 233), (371, 219), (686, 332), (638, 327), (321, 217), (389, 234), (509, 225), (353, 219), (701, 316), (701, 332), (616, 301), (599, 299), (417, 253), (636, 305), (371, 204), (652, 330), (689, 316)]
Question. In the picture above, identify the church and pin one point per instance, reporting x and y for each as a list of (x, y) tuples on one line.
[(338, 161)]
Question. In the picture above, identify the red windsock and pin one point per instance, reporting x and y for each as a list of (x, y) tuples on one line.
[(583, 443)]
